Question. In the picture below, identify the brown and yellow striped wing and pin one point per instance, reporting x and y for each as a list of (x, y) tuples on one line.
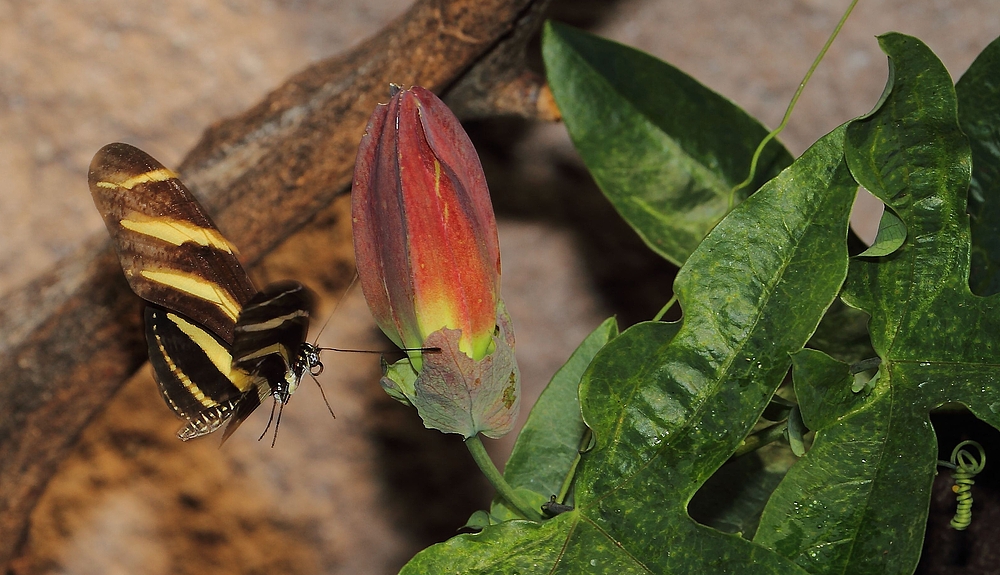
[(171, 252)]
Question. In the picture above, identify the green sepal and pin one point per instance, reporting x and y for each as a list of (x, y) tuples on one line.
[(398, 379)]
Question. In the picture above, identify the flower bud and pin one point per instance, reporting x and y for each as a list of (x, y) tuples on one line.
[(425, 240), (425, 234)]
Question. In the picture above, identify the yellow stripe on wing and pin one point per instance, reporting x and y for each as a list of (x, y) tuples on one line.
[(178, 232), (182, 377), (158, 175), (274, 322), (265, 351), (196, 286), (216, 352)]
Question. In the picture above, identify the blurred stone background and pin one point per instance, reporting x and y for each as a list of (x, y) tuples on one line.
[(362, 493)]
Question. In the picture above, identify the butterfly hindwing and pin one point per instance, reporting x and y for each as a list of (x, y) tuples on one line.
[(271, 333), (171, 252), (192, 368), (246, 405)]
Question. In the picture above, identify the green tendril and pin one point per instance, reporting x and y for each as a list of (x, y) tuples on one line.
[(965, 467), (659, 315), (791, 106)]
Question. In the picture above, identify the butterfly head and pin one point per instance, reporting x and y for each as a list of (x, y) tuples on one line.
[(307, 361)]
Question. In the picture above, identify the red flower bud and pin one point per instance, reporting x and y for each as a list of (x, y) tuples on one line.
[(425, 240), (425, 234)]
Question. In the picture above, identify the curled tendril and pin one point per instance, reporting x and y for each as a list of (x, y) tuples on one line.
[(965, 466)]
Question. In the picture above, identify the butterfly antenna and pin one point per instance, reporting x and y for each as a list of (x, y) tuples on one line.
[(323, 393), (354, 280), (401, 349), (269, 420), (350, 286)]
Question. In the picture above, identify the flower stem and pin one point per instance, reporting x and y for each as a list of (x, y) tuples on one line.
[(503, 488), (568, 481)]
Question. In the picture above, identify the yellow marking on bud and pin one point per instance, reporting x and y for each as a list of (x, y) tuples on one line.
[(445, 208), (197, 287), (437, 178), (158, 175), (178, 232)]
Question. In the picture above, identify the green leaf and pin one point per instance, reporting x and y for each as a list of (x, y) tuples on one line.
[(547, 447), (863, 383), (858, 501), (823, 388), (979, 115), (665, 150), (668, 407), (478, 521), (891, 235), (825, 514)]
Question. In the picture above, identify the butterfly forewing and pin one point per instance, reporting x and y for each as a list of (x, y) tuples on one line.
[(171, 252)]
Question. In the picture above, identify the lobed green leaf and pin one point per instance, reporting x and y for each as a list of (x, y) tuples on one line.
[(751, 293), (857, 502)]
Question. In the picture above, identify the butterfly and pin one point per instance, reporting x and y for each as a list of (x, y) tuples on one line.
[(218, 347)]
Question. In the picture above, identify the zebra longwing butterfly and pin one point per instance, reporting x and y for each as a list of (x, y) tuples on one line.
[(218, 347)]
